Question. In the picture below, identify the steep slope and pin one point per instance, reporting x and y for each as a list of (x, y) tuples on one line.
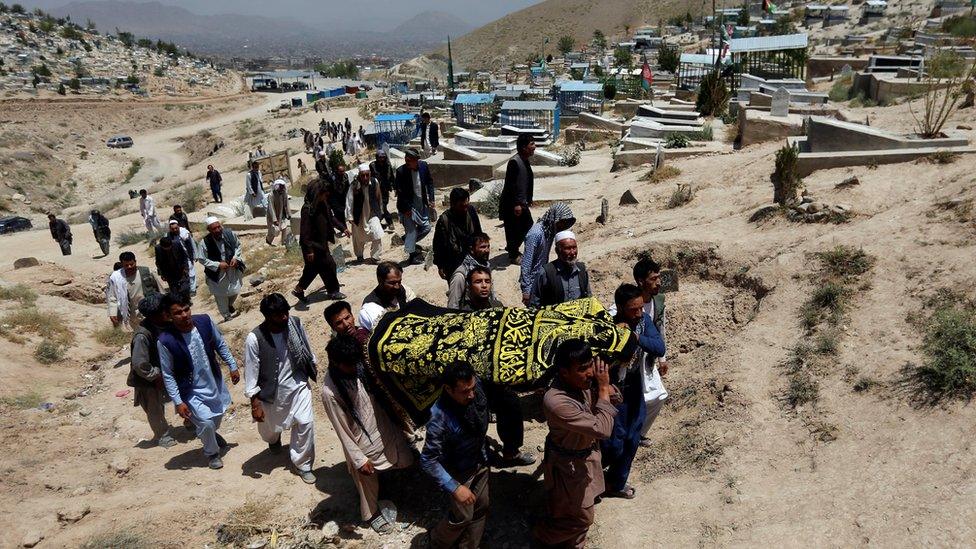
[(519, 34), (432, 27)]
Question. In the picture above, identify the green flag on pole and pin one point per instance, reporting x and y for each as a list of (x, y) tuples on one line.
[(450, 65)]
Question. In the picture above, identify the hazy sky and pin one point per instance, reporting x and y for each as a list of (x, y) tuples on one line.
[(323, 12)]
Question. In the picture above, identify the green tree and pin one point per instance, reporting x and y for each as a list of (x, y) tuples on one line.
[(16, 8), (668, 58), (566, 44), (144, 43), (609, 90), (61, 90), (599, 39), (71, 33), (743, 19), (622, 58), (713, 95), (41, 70), (125, 37), (74, 84), (132, 79)]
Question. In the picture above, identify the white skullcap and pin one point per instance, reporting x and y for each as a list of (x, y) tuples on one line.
[(173, 222), (364, 167), (210, 220), (564, 235), (280, 182)]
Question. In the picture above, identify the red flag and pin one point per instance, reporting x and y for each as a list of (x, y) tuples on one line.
[(647, 76)]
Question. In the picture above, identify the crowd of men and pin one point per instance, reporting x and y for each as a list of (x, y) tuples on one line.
[(598, 414)]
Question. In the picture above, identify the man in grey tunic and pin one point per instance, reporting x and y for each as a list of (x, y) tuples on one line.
[(221, 256)]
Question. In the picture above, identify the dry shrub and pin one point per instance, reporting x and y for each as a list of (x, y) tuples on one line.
[(681, 196), (110, 336), (663, 173), (18, 292), (247, 520)]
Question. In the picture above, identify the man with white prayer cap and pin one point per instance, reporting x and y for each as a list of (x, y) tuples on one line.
[(278, 213), (364, 206), (222, 258), (563, 279)]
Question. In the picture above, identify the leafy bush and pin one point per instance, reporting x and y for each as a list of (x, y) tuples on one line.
[(609, 91), (841, 90), (191, 197), (962, 26), (950, 349), (668, 58), (803, 389), (490, 206), (676, 141), (845, 262)]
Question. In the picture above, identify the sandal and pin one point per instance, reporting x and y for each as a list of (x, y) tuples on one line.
[(380, 525), (627, 493)]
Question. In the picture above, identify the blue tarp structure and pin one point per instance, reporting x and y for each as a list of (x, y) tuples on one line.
[(396, 129), (335, 92), (531, 115), (575, 96)]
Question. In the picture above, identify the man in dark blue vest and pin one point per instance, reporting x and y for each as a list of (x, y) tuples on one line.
[(188, 358)]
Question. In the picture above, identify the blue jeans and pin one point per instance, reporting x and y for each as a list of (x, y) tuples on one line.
[(207, 433), (619, 450), (417, 227)]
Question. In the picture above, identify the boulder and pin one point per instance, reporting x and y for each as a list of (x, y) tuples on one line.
[(26, 262), (628, 198), (73, 513), (31, 538), (256, 280), (61, 281)]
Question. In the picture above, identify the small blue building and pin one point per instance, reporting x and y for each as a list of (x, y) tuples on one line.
[(575, 96), (475, 110), (396, 129)]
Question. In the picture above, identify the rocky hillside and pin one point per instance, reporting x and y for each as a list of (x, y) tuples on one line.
[(520, 34), (44, 56)]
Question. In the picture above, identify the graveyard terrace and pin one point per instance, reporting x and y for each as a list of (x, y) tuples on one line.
[(728, 466)]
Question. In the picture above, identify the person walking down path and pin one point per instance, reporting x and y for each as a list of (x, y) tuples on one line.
[(221, 255), (147, 209), (101, 230), (61, 233)]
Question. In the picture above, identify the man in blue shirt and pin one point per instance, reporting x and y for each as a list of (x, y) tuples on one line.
[(188, 358), (619, 450), (456, 458)]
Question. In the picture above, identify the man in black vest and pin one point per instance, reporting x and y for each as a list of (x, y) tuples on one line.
[(278, 364), (564, 279), (516, 198), (429, 134), (223, 262), (173, 265)]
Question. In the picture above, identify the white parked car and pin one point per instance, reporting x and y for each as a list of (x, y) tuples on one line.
[(119, 142)]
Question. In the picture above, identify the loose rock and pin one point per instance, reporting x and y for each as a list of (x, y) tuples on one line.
[(61, 281), (73, 514), (849, 182), (26, 262), (32, 538), (256, 280), (628, 198), (120, 465), (475, 184)]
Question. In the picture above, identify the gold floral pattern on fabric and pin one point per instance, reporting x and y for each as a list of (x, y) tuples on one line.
[(510, 346)]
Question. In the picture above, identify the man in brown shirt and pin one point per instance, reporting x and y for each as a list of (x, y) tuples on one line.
[(579, 407)]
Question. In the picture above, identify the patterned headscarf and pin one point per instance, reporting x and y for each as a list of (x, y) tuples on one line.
[(556, 213)]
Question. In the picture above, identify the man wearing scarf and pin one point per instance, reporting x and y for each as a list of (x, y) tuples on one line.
[(126, 288), (478, 253), (389, 295), (454, 233), (370, 440), (173, 265), (278, 364), (363, 210), (222, 258), (538, 244), (455, 456), (101, 230), (278, 213)]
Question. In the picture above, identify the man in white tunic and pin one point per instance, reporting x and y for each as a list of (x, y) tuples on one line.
[(126, 288), (188, 360), (147, 209), (278, 362), (278, 213), (364, 205), (221, 256), (370, 440)]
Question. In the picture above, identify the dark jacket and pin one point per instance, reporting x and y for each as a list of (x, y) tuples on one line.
[(172, 264), (432, 133), (181, 220), (403, 183), (318, 228), (454, 447), (213, 252), (518, 189), (144, 369), (214, 178), (60, 230), (452, 238), (384, 175), (101, 228), (549, 286)]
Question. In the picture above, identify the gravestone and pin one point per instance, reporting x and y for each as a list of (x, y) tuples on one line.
[(604, 212), (846, 71), (781, 103), (659, 156)]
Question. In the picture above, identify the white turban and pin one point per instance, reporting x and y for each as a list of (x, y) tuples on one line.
[(565, 235), (173, 222), (280, 183), (364, 167), (210, 220)]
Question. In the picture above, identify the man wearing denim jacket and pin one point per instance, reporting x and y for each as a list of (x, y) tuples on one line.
[(455, 457)]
